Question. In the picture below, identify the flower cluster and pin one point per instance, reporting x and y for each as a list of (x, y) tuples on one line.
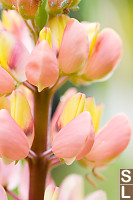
[(31, 70)]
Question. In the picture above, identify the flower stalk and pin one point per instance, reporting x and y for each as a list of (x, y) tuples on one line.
[(39, 166)]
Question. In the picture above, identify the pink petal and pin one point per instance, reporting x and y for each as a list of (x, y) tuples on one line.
[(13, 141), (49, 180), (3, 195), (15, 24), (24, 183), (71, 188), (13, 55), (98, 195), (10, 174), (6, 82), (74, 48), (76, 138), (105, 56), (45, 72), (111, 140)]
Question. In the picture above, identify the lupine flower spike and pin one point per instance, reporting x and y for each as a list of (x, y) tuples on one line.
[(41, 48)]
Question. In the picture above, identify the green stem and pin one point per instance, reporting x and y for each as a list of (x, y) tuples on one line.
[(39, 166)]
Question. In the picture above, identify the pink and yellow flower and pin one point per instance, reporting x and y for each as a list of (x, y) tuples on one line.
[(15, 127), (107, 142), (75, 140), (72, 189), (45, 72), (12, 22), (72, 40)]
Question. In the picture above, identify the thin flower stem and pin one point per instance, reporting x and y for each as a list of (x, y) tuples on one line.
[(32, 154), (35, 29), (52, 158), (46, 153), (55, 163), (59, 83), (31, 31), (12, 195), (29, 86)]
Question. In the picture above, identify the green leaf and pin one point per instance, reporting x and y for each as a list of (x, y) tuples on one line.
[(41, 17)]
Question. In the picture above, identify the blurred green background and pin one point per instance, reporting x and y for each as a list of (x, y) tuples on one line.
[(116, 93)]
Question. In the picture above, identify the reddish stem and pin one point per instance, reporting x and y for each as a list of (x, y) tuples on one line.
[(39, 166), (12, 195), (54, 163)]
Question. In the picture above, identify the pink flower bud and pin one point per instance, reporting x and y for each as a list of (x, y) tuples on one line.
[(105, 55), (51, 193), (74, 47), (6, 82), (15, 24), (75, 140), (27, 8), (13, 55), (110, 141), (13, 141), (45, 72)]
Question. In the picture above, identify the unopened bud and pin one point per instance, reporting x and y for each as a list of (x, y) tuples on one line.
[(27, 8), (61, 6)]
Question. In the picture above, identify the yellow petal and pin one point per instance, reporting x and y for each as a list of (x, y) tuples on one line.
[(95, 112), (73, 108), (21, 113), (57, 25), (45, 34), (92, 30), (11, 20), (99, 110)]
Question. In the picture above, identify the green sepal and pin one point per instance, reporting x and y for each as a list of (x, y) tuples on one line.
[(41, 16)]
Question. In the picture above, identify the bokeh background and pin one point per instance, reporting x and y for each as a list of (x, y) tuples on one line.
[(116, 93)]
